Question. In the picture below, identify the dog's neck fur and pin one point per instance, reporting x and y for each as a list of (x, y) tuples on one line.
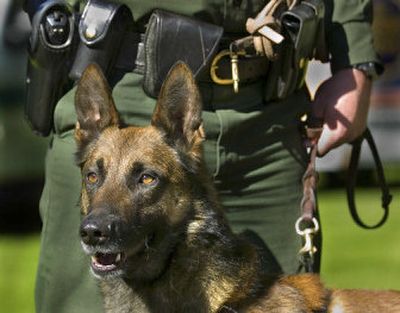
[(202, 256)]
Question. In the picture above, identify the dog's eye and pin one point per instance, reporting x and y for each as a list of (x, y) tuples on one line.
[(92, 178), (147, 179)]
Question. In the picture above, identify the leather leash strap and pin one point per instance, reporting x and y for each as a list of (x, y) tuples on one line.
[(310, 177), (351, 180), (265, 28), (307, 225)]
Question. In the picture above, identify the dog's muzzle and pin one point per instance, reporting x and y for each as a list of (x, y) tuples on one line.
[(99, 236)]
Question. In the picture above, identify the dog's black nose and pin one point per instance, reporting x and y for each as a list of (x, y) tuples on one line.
[(97, 230), (92, 234)]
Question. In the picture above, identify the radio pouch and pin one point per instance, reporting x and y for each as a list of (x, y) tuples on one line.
[(170, 38), (304, 27)]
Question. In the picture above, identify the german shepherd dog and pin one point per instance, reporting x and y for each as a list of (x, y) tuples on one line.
[(153, 226)]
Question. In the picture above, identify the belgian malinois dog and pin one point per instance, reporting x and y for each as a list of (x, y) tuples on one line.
[(153, 226)]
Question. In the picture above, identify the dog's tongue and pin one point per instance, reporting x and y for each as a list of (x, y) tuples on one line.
[(107, 259)]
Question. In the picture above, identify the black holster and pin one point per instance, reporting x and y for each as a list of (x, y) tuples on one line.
[(50, 47), (56, 62)]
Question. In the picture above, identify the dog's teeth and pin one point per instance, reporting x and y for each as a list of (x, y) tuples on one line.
[(118, 258)]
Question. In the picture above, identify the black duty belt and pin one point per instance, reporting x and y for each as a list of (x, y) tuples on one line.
[(250, 67)]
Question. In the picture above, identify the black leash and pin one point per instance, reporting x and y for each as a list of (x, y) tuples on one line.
[(352, 177)]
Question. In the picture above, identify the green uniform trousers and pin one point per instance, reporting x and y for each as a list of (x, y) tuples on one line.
[(253, 150)]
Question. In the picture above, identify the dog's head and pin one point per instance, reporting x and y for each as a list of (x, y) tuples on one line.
[(137, 182)]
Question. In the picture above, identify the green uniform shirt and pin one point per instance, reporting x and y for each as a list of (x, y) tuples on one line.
[(348, 33)]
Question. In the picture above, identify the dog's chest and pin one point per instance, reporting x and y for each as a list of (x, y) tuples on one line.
[(120, 298)]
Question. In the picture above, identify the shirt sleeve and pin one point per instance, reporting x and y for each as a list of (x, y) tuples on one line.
[(349, 33)]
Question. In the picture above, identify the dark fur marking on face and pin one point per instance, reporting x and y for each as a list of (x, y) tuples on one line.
[(83, 150), (100, 166)]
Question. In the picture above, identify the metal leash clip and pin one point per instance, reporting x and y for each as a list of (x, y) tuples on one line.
[(234, 56), (309, 249)]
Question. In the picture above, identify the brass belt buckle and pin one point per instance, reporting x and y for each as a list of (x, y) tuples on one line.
[(234, 56)]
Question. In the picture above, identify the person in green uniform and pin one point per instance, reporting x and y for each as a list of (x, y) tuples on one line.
[(253, 149)]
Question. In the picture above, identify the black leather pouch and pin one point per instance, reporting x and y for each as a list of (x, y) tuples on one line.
[(102, 29), (170, 38), (303, 30), (303, 25)]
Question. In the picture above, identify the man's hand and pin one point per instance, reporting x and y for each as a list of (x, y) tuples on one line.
[(342, 102)]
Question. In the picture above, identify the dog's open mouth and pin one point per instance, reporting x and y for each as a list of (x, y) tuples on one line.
[(103, 263), (112, 261)]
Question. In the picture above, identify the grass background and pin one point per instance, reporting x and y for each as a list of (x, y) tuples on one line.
[(352, 257)]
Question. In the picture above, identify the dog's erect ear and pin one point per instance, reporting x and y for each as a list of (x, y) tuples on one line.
[(178, 110), (94, 105)]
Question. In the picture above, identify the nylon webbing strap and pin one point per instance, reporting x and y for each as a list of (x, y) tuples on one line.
[(352, 177), (265, 28)]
